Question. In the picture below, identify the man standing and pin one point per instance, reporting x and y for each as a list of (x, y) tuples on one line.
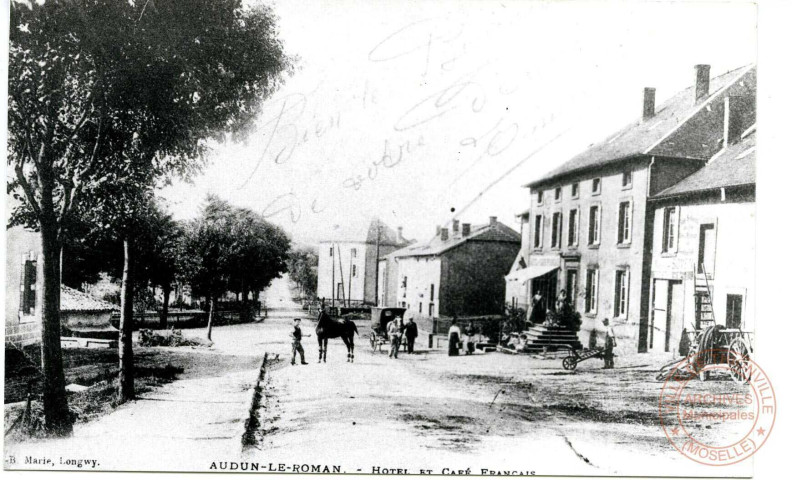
[(610, 343), (394, 334), (297, 343), (411, 331)]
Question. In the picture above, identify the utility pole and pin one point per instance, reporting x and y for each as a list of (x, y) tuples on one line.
[(332, 278), (376, 267)]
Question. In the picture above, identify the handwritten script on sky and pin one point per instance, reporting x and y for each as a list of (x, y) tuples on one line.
[(405, 111)]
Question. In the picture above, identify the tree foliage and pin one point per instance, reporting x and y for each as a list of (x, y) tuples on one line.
[(303, 264)]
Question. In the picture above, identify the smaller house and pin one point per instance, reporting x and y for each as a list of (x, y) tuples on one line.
[(457, 273), (703, 264), (85, 320)]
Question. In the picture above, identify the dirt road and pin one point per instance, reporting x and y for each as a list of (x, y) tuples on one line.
[(489, 412)]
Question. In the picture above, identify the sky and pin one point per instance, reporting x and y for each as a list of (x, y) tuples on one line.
[(420, 112)]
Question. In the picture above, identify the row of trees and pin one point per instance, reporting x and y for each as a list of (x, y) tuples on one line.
[(303, 264), (106, 101)]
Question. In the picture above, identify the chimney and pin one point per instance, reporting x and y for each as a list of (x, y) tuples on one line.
[(456, 226), (444, 234), (437, 230), (400, 236), (736, 110), (702, 82), (648, 103), (465, 229), (493, 220)]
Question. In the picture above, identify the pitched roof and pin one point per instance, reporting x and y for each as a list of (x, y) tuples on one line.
[(734, 166), (76, 301), (368, 234), (662, 134), (490, 232)]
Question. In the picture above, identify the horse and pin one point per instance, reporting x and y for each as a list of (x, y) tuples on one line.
[(327, 328)]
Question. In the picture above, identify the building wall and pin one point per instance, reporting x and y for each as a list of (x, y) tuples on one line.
[(735, 249), (421, 274), (373, 256), (21, 244), (608, 256), (342, 255), (388, 282), (472, 278)]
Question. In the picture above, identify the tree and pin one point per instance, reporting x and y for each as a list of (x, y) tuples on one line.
[(303, 264), (104, 91)]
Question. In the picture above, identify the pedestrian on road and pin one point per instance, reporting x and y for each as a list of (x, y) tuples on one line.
[(411, 332), (610, 344), (454, 335), (470, 332), (297, 343), (394, 335)]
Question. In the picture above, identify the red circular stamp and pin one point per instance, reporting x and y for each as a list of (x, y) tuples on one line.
[(721, 421)]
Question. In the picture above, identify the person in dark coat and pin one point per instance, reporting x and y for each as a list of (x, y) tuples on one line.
[(411, 332), (470, 332), (538, 309), (453, 339), (297, 336)]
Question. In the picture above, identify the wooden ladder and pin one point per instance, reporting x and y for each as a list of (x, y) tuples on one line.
[(705, 316)]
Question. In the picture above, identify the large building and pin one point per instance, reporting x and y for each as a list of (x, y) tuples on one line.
[(347, 272), (704, 246), (589, 227), (455, 273)]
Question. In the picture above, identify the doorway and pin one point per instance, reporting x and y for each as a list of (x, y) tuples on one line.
[(665, 332), (706, 253)]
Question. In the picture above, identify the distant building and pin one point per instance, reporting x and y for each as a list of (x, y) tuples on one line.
[(589, 227), (455, 273), (704, 247), (347, 271)]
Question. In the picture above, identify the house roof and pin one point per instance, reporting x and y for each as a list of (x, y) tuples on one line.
[(662, 134), (734, 166), (490, 232), (76, 301), (368, 234)]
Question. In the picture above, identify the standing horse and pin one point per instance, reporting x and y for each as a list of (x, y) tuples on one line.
[(327, 328)]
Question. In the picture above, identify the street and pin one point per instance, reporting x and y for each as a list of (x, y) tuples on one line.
[(420, 412)]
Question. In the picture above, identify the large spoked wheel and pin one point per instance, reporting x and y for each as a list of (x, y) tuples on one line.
[(373, 340), (569, 363), (739, 358)]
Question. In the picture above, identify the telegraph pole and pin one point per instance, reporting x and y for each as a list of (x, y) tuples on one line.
[(376, 267)]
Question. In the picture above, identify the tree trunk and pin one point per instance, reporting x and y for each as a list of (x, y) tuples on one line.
[(57, 419), (212, 302), (126, 373), (166, 291)]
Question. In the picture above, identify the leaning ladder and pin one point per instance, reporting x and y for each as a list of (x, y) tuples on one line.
[(705, 315)]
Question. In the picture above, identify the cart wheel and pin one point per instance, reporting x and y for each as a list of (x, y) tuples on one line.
[(738, 360), (569, 363), (373, 339)]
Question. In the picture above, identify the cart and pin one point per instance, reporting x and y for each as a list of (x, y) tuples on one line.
[(714, 345), (380, 317), (570, 362)]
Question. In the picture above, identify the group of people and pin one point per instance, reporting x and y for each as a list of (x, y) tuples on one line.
[(455, 342), (396, 329)]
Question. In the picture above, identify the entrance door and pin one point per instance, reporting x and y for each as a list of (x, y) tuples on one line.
[(572, 288), (657, 329), (706, 254), (674, 315)]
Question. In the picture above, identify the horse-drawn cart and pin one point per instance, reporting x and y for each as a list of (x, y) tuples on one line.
[(380, 317), (716, 345)]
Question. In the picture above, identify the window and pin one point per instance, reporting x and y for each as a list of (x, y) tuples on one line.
[(420, 307), (331, 251), (622, 293), (594, 225), (555, 238), (575, 190), (404, 286), (627, 179), (354, 253), (27, 304), (670, 216), (572, 231), (558, 194), (538, 227), (596, 186), (431, 293), (625, 222), (734, 304), (354, 270), (592, 280), (572, 287), (540, 197), (431, 309)]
